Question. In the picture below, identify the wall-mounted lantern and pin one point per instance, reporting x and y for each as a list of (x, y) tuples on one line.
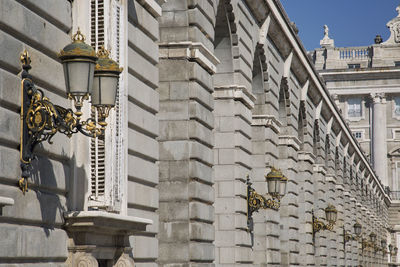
[(357, 229), (276, 185), (331, 217), (86, 74)]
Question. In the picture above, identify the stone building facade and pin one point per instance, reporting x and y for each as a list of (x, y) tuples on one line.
[(365, 85), (211, 91)]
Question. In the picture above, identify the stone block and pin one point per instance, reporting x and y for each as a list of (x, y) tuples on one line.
[(196, 17), (225, 238), (224, 140), (201, 231), (174, 130), (171, 213), (142, 170), (201, 211), (226, 189), (33, 27), (142, 195), (46, 173), (198, 112), (242, 238), (196, 35), (142, 119), (174, 19), (241, 221), (143, 94), (140, 41), (42, 207), (240, 189), (173, 110), (153, 228), (200, 132), (179, 90), (144, 247), (227, 255), (201, 251), (226, 156), (201, 94), (173, 252), (224, 206), (148, 73), (20, 242), (200, 171), (225, 221), (147, 21), (174, 232), (174, 191), (140, 143), (243, 126), (243, 254), (224, 172), (224, 108), (200, 191)]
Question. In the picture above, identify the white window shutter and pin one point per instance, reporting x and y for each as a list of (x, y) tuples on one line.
[(107, 155)]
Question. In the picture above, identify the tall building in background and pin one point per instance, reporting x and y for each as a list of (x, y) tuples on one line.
[(365, 84)]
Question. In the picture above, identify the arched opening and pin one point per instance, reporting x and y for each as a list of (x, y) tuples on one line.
[(316, 138), (258, 75), (301, 123), (223, 48), (284, 101)]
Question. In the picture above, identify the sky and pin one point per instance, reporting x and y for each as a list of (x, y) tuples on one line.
[(350, 22)]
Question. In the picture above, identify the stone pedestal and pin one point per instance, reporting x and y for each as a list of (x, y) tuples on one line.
[(100, 238)]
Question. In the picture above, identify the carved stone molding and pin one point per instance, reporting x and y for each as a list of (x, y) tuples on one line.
[(267, 121), (125, 261), (191, 51)]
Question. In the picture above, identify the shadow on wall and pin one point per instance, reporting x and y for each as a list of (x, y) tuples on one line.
[(48, 192)]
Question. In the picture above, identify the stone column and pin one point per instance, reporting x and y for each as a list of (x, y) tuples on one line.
[(379, 146), (233, 162)]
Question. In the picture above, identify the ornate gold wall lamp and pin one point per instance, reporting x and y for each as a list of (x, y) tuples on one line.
[(276, 185), (348, 237), (86, 74), (331, 217)]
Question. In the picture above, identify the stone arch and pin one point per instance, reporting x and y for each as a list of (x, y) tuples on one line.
[(259, 70), (284, 101), (302, 123), (224, 26)]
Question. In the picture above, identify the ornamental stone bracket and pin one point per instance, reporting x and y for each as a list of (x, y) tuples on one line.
[(191, 51), (236, 92), (267, 121), (320, 168), (308, 157), (289, 140), (99, 236), (330, 178)]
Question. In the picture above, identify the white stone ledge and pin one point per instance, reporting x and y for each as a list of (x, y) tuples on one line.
[(152, 6), (6, 201), (104, 222), (308, 156), (191, 51), (330, 178), (289, 140), (319, 168), (339, 187), (236, 92), (267, 121)]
